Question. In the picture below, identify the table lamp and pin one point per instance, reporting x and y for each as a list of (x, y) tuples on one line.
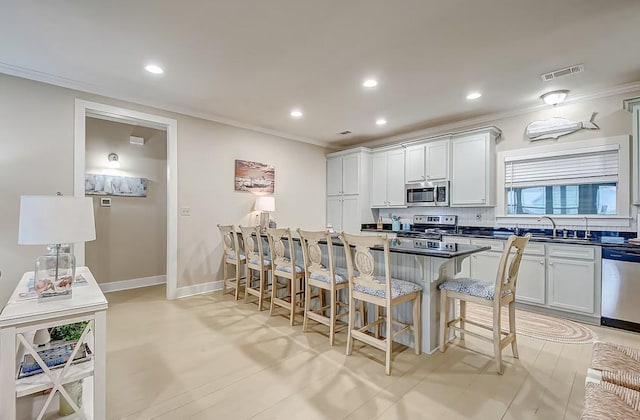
[(55, 220), (265, 204)]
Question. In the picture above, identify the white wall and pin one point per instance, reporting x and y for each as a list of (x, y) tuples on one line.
[(36, 144), (611, 117)]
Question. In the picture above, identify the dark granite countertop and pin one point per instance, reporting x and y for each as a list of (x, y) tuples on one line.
[(599, 238), (427, 248)]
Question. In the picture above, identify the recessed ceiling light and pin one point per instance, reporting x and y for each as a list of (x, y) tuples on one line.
[(152, 68), (296, 113), (381, 121), (474, 95), (369, 83)]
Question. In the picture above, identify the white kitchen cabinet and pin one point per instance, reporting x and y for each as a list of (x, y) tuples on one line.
[(348, 189), (531, 285), (484, 265), (633, 105), (343, 213), (387, 178), (573, 278), (343, 174), (427, 162), (473, 171)]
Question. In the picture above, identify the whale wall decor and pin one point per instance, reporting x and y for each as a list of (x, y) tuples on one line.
[(556, 127)]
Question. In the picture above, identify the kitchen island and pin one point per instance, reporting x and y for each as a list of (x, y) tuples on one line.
[(427, 263)]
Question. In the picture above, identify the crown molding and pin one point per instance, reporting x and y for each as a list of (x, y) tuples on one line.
[(64, 82), (453, 128)]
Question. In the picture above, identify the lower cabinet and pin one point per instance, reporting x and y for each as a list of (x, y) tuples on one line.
[(557, 276), (531, 280), (572, 284)]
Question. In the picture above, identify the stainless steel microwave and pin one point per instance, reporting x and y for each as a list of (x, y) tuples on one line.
[(427, 194)]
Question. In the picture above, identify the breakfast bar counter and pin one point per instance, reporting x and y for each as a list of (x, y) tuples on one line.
[(427, 263)]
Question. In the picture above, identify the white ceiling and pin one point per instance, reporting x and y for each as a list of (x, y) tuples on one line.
[(250, 62)]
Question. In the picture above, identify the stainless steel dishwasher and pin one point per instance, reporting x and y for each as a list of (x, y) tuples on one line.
[(621, 288)]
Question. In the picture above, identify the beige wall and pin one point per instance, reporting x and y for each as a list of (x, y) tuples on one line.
[(36, 144), (131, 235)]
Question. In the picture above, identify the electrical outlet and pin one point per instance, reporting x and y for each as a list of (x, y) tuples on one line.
[(185, 211)]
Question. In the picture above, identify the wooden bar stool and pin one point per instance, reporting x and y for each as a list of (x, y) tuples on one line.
[(380, 290), (232, 256), (326, 278), (284, 267), (496, 295), (257, 262)]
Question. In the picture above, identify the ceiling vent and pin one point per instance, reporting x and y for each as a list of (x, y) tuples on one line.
[(578, 68), (345, 132)]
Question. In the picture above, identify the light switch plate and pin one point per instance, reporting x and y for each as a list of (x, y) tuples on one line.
[(105, 202), (185, 211)]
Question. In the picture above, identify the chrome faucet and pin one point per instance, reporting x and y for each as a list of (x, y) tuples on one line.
[(553, 223), (587, 234)]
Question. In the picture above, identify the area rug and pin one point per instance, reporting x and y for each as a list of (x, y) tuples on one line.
[(543, 327)]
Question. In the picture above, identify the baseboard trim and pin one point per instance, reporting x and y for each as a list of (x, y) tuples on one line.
[(198, 289), (115, 286)]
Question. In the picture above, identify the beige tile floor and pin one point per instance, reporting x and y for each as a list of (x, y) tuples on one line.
[(209, 357)]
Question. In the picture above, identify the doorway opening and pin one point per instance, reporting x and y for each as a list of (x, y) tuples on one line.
[(84, 109)]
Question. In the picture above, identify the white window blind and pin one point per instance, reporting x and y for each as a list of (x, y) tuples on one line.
[(577, 166)]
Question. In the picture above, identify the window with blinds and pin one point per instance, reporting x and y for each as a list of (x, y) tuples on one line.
[(578, 181)]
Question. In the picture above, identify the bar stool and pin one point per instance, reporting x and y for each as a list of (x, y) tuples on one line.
[(285, 268), (231, 256), (501, 292), (380, 290), (323, 277), (258, 262)]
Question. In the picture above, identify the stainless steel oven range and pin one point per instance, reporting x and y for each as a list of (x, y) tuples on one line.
[(431, 227)]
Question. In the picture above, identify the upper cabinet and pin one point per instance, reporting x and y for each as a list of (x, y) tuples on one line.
[(473, 169), (633, 105), (387, 178), (427, 161), (348, 177), (344, 173)]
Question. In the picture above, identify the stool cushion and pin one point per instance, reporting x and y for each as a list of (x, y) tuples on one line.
[(325, 277), (398, 288), (256, 261), (472, 287), (232, 257), (287, 268)]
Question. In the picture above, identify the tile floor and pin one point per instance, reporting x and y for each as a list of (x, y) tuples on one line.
[(209, 357)]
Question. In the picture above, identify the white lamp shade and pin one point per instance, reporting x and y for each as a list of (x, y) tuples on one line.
[(46, 219), (265, 203)]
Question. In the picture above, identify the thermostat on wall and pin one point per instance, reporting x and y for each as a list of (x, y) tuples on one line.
[(105, 202)]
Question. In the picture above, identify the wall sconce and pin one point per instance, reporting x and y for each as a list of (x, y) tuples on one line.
[(554, 97), (114, 160)]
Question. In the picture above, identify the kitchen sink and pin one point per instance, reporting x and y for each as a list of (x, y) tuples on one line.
[(548, 238)]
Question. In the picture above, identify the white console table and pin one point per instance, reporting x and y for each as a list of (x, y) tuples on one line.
[(19, 320)]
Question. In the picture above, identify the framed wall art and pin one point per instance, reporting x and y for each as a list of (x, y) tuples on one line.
[(125, 186), (254, 177)]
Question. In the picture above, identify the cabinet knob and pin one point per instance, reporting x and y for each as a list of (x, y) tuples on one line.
[(550, 263), (541, 262)]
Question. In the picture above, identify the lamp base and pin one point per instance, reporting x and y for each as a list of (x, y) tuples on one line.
[(54, 275), (264, 221)]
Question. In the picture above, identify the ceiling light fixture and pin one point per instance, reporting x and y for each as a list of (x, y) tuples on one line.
[(114, 160), (152, 68), (474, 95), (554, 97), (296, 113), (381, 121), (369, 83)]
